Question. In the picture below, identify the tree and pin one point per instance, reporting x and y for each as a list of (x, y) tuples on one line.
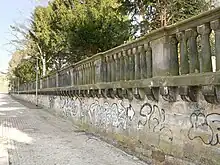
[(152, 14), (25, 71), (20, 68), (81, 29)]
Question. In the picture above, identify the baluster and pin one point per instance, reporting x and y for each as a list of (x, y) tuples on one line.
[(174, 67), (204, 31), (65, 79), (191, 35), (121, 65), (113, 68), (129, 75), (148, 53), (77, 75), (104, 69), (126, 67), (131, 54), (74, 76), (71, 77), (92, 69), (143, 62), (68, 77), (50, 84), (86, 73), (215, 25), (47, 82), (89, 73), (137, 53), (60, 79), (108, 69), (117, 69), (184, 64), (57, 79), (93, 73), (83, 74)]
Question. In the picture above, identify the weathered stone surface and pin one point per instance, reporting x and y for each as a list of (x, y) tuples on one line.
[(186, 131)]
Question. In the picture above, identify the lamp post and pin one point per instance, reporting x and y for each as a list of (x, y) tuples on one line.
[(18, 85), (36, 82), (36, 92)]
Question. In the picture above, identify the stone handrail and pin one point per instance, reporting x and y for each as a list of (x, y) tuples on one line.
[(162, 62)]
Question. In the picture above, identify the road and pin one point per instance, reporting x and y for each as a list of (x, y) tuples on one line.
[(31, 136)]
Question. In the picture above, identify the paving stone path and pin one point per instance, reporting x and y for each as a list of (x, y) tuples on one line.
[(33, 136)]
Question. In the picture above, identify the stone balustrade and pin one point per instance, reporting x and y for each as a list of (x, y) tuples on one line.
[(174, 60), (156, 97)]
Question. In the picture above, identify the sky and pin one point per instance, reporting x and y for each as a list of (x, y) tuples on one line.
[(12, 11)]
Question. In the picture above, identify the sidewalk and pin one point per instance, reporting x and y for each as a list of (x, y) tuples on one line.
[(30, 136)]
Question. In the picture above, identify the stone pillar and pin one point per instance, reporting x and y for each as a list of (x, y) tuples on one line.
[(164, 61), (204, 31)]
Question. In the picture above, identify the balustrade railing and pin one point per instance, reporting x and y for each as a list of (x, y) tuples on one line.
[(174, 56), (52, 81)]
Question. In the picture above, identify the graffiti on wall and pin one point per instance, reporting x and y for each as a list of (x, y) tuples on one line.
[(69, 105), (52, 101), (152, 117), (106, 114), (115, 114), (205, 127)]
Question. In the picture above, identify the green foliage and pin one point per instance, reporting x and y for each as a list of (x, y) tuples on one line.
[(98, 27), (67, 31), (25, 71), (154, 14)]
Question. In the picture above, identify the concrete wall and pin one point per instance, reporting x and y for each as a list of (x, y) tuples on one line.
[(161, 132)]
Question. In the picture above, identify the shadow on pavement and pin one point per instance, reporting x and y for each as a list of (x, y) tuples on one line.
[(26, 104)]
